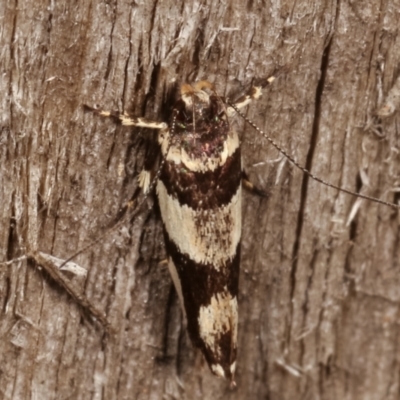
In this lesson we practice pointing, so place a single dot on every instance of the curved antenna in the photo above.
(306, 171)
(134, 212)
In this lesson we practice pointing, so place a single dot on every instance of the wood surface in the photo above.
(319, 286)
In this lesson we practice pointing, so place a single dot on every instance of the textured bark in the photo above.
(319, 298)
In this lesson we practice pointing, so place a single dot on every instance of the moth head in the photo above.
(196, 93)
(201, 123)
(200, 104)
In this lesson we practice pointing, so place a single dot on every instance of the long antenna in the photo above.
(306, 171)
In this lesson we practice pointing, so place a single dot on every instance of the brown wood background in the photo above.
(319, 300)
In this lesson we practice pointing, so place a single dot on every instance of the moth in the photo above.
(199, 188)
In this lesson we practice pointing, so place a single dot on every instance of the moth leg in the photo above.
(127, 120)
(247, 184)
(147, 174)
(163, 263)
(144, 178)
(254, 93)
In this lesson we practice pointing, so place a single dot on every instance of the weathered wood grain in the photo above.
(319, 300)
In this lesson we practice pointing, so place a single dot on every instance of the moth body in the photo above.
(199, 190)
(199, 193)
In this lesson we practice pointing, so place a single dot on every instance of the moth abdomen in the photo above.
(210, 306)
